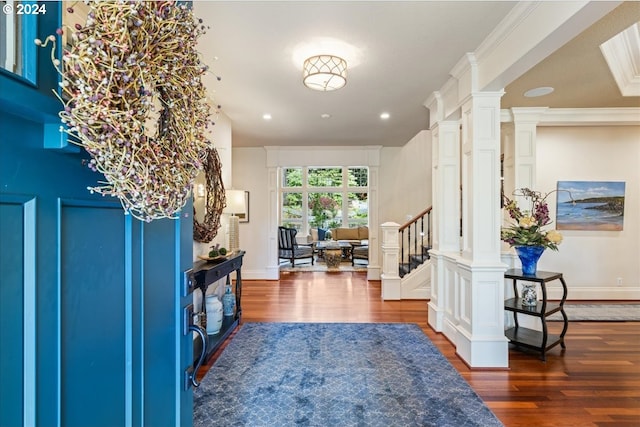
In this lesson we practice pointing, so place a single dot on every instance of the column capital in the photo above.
(528, 115)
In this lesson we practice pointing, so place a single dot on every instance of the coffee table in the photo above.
(333, 252)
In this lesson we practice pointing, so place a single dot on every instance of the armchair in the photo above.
(289, 249)
(360, 252)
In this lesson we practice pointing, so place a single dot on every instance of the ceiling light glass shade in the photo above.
(324, 72)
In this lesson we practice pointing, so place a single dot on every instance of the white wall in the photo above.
(250, 174)
(220, 137)
(405, 179)
(591, 261)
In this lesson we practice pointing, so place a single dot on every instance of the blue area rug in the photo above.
(335, 374)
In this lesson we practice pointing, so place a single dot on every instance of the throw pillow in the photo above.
(322, 233)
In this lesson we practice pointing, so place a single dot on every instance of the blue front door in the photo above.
(91, 299)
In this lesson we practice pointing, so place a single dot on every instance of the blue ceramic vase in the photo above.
(529, 256)
(228, 302)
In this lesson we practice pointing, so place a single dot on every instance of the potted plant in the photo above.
(526, 233)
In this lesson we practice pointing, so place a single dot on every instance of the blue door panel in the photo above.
(90, 299)
(11, 314)
(159, 278)
(92, 314)
(109, 348)
(184, 342)
(163, 281)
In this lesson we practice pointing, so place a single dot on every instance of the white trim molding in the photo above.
(622, 53)
(622, 116)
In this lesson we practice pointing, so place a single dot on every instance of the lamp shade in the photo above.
(235, 202)
(324, 72)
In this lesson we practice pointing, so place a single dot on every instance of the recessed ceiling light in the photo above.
(325, 115)
(539, 91)
(266, 116)
(384, 116)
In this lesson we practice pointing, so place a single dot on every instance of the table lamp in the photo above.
(235, 205)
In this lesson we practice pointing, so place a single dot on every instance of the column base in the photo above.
(483, 352)
(390, 287)
(435, 317)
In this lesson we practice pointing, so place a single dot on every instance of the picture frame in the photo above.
(244, 217)
(590, 205)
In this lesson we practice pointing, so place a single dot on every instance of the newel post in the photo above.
(390, 261)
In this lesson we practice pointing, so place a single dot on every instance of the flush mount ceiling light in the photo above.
(324, 72)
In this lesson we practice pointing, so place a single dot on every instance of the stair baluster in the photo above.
(417, 242)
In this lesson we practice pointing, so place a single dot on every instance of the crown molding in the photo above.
(582, 117)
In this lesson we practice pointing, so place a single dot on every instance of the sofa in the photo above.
(352, 235)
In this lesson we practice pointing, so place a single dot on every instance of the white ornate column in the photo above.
(525, 125)
(445, 221)
(480, 340)
(390, 259)
(520, 150)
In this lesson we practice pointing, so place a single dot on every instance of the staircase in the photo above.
(415, 242)
(414, 261)
(406, 270)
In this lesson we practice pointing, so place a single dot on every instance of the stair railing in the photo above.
(414, 240)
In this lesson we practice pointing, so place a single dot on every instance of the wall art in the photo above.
(596, 205)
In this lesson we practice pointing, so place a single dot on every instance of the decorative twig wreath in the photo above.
(215, 200)
(134, 99)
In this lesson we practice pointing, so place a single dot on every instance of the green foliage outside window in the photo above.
(325, 208)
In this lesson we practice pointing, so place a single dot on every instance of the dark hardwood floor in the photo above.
(594, 382)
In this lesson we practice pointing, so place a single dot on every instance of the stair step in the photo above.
(414, 261)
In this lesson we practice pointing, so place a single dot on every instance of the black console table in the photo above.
(529, 338)
(204, 274)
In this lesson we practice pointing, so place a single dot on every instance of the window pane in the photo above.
(325, 210)
(292, 210)
(18, 52)
(358, 209)
(292, 177)
(358, 177)
(11, 45)
(325, 177)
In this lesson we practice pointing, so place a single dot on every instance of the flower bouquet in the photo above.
(527, 226)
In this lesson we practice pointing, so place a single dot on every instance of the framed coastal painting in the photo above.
(590, 205)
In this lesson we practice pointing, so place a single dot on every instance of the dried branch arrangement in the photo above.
(134, 99)
(215, 200)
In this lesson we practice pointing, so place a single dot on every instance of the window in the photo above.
(334, 197)
(18, 24)
(324, 177)
(292, 209)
